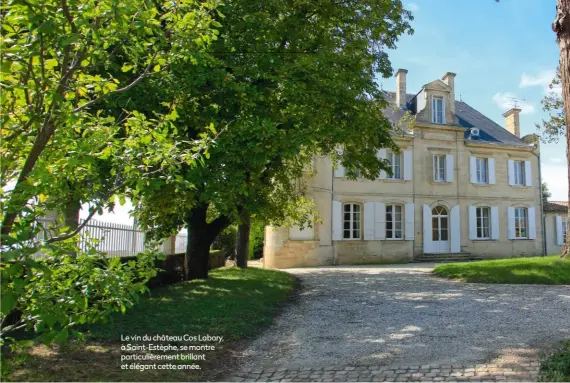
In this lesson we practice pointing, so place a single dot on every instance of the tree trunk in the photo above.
(242, 242)
(561, 26)
(201, 234)
(72, 209)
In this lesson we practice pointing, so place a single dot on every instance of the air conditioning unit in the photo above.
(474, 132)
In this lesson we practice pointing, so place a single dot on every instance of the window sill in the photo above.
(520, 187)
(483, 240)
(522, 239)
(440, 182)
(396, 180)
(481, 184)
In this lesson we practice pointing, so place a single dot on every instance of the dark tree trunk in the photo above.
(561, 26)
(242, 242)
(72, 209)
(201, 234)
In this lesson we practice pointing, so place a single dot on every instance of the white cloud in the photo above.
(556, 178)
(505, 101)
(413, 7)
(541, 79)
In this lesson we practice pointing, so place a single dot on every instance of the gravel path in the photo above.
(386, 317)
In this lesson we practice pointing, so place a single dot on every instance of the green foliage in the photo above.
(556, 367)
(538, 270)
(63, 64)
(546, 194)
(555, 127)
(285, 82)
(226, 241)
(256, 237)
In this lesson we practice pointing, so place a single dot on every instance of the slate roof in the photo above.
(489, 131)
(556, 207)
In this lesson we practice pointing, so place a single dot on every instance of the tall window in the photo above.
(393, 222)
(519, 173)
(351, 221)
(439, 167)
(437, 110)
(482, 170)
(564, 229)
(521, 222)
(395, 163)
(483, 223)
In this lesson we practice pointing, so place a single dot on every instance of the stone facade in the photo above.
(415, 198)
(556, 225)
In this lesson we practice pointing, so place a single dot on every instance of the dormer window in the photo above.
(437, 111)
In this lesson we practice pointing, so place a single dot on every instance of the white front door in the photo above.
(440, 229)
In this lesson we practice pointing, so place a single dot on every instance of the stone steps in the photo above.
(446, 258)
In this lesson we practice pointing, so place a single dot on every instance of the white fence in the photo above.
(117, 240)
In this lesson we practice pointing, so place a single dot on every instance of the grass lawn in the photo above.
(233, 303)
(537, 270)
(556, 368)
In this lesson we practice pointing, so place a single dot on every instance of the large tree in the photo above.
(287, 81)
(561, 26)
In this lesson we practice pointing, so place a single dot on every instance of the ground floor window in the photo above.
(483, 223)
(351, 221)
(393, 222)
(521, 221)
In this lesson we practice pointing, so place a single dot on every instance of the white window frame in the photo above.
(481, 225)
(437, 114)
(439, 168)
(354, 221)
(521, 219)
(395, 160)
(482, 170)
(391, 220)
(519, 173)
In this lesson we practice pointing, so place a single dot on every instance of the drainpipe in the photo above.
(543, 220)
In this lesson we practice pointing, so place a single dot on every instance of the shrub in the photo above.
(226, 241)
(256, 236)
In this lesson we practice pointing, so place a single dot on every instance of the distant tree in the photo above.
(561, 26)
(555, 127)
(546, 194)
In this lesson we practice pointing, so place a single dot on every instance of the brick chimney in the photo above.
(512, 123)
(401, 88)
(449, 79)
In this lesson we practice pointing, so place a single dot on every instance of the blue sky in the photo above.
(497, 50)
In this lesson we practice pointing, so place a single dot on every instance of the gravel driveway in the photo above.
(401, 315)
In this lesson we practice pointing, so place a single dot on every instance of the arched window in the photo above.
(351, 221)
(394, 222)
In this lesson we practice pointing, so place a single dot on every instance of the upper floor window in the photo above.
(482, 170)
(439, 167)
(395, 164)
(393, 222)
(521, 221)
(437, 110)
(351, 221)
(519, 168)
(483, 215)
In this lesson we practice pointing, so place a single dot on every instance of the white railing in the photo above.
(116, 240)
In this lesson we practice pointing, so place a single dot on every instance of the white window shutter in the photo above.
(449, 167)
(339, 171)
(408, 164)
(369, 221)
(455, 225)
(511, 173)
(379, 221)
(495, 223)
(531, 223)
(559, 234)
(337, 221)
(433, 110)
(527, 173)
(491, 171)
(382, 156)
(511, 224)
(409, 235)
(427, 229)
(472, 222)
(443, 109)
(473, 169)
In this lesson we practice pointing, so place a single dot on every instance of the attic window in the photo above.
(437, 110)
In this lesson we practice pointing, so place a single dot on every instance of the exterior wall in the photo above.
(552, 248)
(427, 140)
